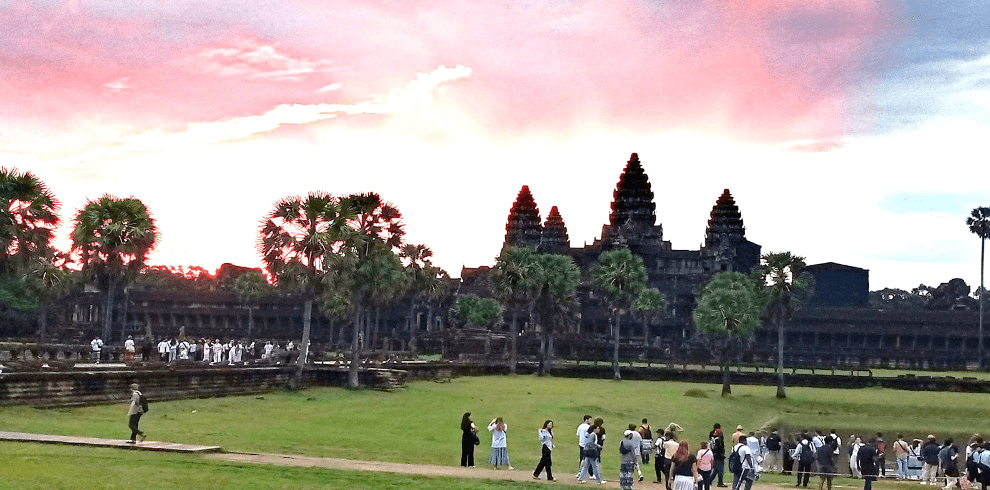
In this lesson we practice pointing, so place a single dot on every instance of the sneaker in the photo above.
(640, 477)
(511, 468)
(129, 441)
(603, 482)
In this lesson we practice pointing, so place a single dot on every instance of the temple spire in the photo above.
(633, 220)
(725, 221)
(555, 237)
(523, 226)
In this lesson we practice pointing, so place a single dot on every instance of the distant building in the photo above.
(839, 285)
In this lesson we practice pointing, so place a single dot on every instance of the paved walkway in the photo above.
(97, 442)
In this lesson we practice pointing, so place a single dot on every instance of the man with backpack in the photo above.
(772, 461)
(716, 441)
(806, 456)
(139, 406)
(741, 465)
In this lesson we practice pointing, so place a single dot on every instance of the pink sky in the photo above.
(211, 111)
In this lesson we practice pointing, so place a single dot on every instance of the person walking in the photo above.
(638, 449)
(592, 452)
(772, 461)
(901, 451)
(743, 478)
(546, 446)
(929, 455)
(947, 460)
(469, 439)
(868, 456)
(716, 441)
(129, 349)
(500, 450)
(684, 467)
(807, 453)
(826, 467)
(582, 432)
(627, 459)
(134, 412)
(97, 345)
(705, 459)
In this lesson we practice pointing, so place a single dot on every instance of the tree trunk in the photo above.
(646, 331)
(726, 389)
(353, 380)
(543, 354)
(615, 348)
(123, 318)
(108, 313)
(512, 343)
(549, 364)
(780, 359)
(983, 244)
(374, 333)
(296, 380)
(42, 321)
(250, 321)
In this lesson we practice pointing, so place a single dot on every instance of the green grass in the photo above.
(420, 424)
(27, 466)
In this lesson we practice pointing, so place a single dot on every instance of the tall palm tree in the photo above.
(516, 277)
(782, 281)
(620, 275)
(28, 218)
(297, 241)
(113, 237)
(727, 314)
(250, 287)
(48, 280)
(979, 223)
(426, 282)
(649, 305)
(557, 303)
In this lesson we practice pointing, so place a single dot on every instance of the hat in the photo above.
(931, 436)
(627, 433)
(738, 427)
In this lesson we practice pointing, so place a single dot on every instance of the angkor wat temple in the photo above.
(834, 327)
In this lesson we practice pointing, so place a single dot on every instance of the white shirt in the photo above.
(744, 451)
(129, 345)
(97, 345)
(582, 431)
(163, 347)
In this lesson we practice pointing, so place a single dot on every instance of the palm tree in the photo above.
(727, 313)
(782, 281)
(979, 223)
(649, 305)
(559, 277)
(48, 280)
(298, 239)
(250, 287)
(516, 279)
(426, 282)
(28, 218)
(620, 275)
(113, 237)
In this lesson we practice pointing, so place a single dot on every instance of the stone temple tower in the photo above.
(725, 238)
(555, 239)
(633, 219)
(523, 226)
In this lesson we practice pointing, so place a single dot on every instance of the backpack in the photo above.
(623, 449)
(718, 447)
(735, 461)
(807, 453)
(143, 401)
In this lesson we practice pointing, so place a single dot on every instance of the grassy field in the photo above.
(420, 424)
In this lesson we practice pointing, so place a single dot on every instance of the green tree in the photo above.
(620, 275)
(113, 237)
(556, 302)
(250, 287)
(979, 224)
(426, 284)
(649, 306)
(298, 239)
(516, 277)
(28, 218)
(48, 280)
(477, 311)
(727, 314)
(783, 282)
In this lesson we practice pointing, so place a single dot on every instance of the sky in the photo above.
(847, 131)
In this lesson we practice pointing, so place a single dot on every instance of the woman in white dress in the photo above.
(854, 457)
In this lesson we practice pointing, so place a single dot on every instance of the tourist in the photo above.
(868, 463)
(638, 450)
(163, 350)
(787, 451)
(670, 446)
(772, 460)
(676, 429)
(705, 459)
(469, 439)
(134, 412)
(97, 345)
(737, 433)
(582, 432)
(806, 457)
(881, 447)
(184, 350)
(684, 467)
(592, 451)
(546, 447)
(716, 441)
(646, 434)
(983, 466)
(929, 456)
(947, 460)
(627, 458)
(854, 448)
(217, 352)
(915, 464)
(743, 479)
(268, 350)
(173, 350)
(500, 451)
(753, 443)
(129, 349)
(207, 350)
(193, 348)
(826, 467)
(600, 422)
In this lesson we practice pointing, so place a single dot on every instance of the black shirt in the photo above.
(684, 468)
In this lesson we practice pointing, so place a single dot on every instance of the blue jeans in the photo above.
(590, 464)
(902, 468)
(718, 469)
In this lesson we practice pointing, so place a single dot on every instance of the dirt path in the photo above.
(519, 474)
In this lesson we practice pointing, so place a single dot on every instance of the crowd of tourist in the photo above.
(213, 352)
(746, 455)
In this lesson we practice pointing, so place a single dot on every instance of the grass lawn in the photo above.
(421, 423)
(27, 466)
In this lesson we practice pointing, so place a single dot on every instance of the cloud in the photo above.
(417, 93)
(118, 85)
(332, 86)
(250, 58)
